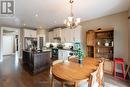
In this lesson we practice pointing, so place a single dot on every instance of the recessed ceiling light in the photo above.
(36, 15)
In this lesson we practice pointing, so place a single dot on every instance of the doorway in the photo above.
(10, 42)
(8, 45)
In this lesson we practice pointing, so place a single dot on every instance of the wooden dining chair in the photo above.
(53, 63)
(82, 83)
(58, 79)
(72, 57)
(95, 78)
(54, 77)
(101, 74)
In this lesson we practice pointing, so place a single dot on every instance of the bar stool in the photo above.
(119, 61)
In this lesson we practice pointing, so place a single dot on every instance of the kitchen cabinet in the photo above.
(60, 54)
(63, 34)
(71, 35)
(90, 35)
(108, 66)
(63, 54)
(66, 34)
(100, 44)
(36, 61)
(54, 34)
(57, 32)
(51, 36)
(77, 34)
(30, 33)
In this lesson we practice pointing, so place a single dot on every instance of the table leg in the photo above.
(63, 84)
(52, 81)
(127, 71)
(76, 84)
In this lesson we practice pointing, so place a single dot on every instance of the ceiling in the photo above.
(51, 13)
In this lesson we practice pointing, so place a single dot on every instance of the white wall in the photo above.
(8, 44)
(1, 34)
(120, 23)
(129, 37)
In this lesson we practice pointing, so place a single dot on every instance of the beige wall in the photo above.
(129, 37)
(120, 23)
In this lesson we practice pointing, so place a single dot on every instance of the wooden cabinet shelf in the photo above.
(100, 43)
(105, 38)
(90, 51)
(105, 46)
(90, 38)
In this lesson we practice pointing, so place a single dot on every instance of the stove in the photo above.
(54, 53)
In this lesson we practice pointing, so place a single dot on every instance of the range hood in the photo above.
(58, 38)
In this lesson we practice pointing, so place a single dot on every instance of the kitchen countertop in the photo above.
(47, 50)
(67, 49)
(63, 49)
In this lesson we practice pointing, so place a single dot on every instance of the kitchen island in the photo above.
(36, 61)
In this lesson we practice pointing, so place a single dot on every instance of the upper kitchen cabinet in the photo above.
(66, 35)
(54, 34)
(64, 54)
(71, 35)
(77, 34)
(57, 32)
(51, 36)
(90, 38)
(30, 33)
(63, 33)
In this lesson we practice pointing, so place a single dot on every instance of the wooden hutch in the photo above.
(100, 44)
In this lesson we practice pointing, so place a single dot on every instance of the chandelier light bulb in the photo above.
(70, 18)
(65, 21)
(68, 24)
(78, 20)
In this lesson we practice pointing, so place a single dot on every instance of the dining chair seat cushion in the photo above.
(53, 63)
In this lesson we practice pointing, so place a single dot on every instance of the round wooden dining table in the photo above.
(74, 72)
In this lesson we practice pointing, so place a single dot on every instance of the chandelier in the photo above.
(72, 22)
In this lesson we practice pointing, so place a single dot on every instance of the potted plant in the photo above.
(80, 55)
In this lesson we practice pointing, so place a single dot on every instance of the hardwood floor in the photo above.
(13, 74)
